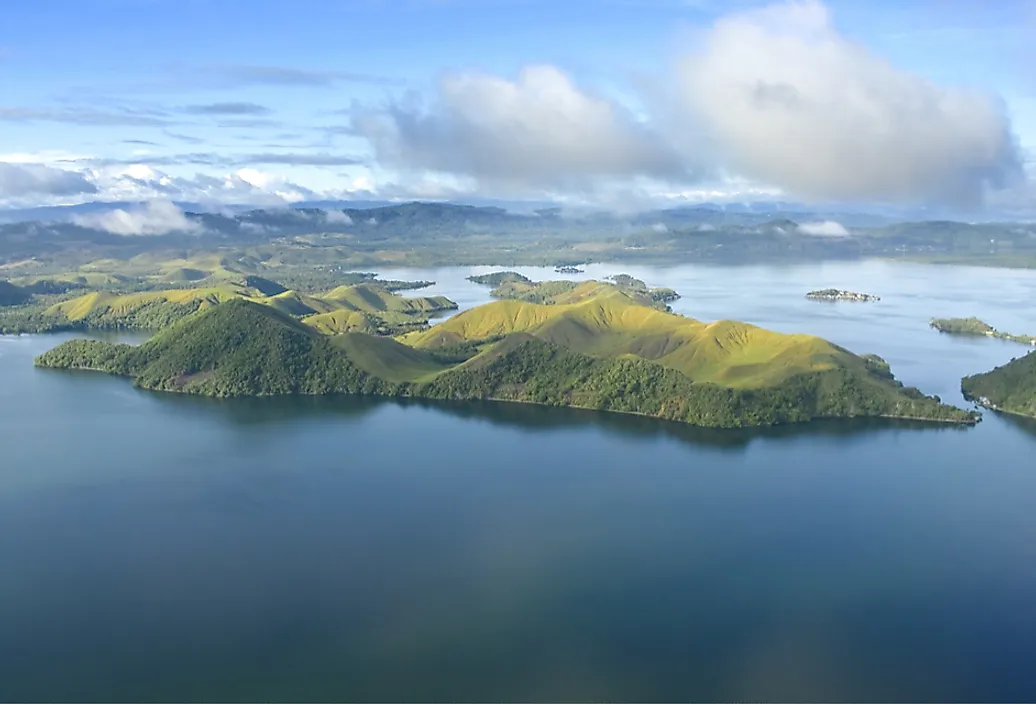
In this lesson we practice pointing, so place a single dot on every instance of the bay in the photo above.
(154, 547)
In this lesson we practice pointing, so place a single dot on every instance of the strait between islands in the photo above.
(610, 346)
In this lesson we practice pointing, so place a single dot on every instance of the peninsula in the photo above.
(974, 327)
(1010, 388)
(834, 294)
(599, 346)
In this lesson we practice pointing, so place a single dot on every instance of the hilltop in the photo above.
(606, 351)
(1010, 388)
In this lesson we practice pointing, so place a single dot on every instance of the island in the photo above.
(497, 278)
(599, 346)
(1010, 388)
(512, 285)
(567, 270)
(977, 328)
(835, 294)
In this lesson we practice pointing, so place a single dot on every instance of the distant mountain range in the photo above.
(846, 214)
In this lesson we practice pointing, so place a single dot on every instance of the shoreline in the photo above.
(914, 419)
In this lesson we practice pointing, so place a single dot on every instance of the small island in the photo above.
(599, 346)
(835, 294)
(498, 278)
(1010, 388)
(567, 270)
(973, 327)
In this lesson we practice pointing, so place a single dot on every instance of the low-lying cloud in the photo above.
(827, 228)
(158, 217)
(337, 217)
(23, 180)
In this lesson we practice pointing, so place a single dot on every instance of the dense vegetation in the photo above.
(976, 327)
(723, 374)
(499, 277)
(1010, 388)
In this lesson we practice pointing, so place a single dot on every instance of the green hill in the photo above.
(1010, 388)
(365, 307)
(605, 353)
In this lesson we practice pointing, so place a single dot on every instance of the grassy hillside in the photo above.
(236, 349)
(1010, 388)
(611, 324)
(361, 307)
(605, 353)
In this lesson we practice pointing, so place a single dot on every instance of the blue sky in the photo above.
(268, 101)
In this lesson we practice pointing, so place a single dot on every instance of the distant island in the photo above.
(512, 285)
(599, 346)
(567, 270)
(834, 294)
(1010, 388)
(977, 328)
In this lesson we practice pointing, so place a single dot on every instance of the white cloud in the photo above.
(789, 101)
(156, 217)
(827, 228)
(775, 97)
(660, 227)
(538, 130)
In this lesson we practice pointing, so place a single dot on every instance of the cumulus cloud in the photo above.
(827, 228)
(540, 129)
(153, 218)
(22, 180)
(791, 102)
(776, 97)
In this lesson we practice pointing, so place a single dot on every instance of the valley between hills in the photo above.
(604, 345)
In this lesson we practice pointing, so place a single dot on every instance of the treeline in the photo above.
(1011, 387)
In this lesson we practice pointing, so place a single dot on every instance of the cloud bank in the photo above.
(775, 95)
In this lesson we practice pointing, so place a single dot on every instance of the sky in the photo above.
(619, 103)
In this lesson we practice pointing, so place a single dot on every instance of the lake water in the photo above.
(155, 547)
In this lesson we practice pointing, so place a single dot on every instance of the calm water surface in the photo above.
(154, 547)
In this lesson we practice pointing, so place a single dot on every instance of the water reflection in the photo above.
(533, 418)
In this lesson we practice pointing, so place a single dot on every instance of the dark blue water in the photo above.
(154, 547)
